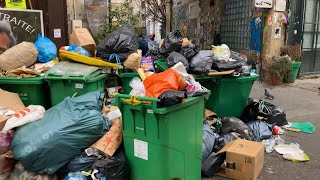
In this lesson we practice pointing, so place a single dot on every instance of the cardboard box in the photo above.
(10, 101)
(83, 38)
(244, 160)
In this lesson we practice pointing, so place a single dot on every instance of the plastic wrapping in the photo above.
(213, 163)
(209, 139)
(27, 115)
(171, 97)
(221, 53)
(274, 114)
(202, 62)
(71, 69)
(226, 66)
(121, 42)
(47, 49)
(224, 140)
(190, 51)
(251, 111)
(232, 124)
(260, 130)
(66, 129)
(137, 87)
(173, 42)
(113, 168)
(175, 58)
(81, 163)
(78, 49)
(156, 84)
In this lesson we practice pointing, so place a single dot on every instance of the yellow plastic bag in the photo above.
(66, 55)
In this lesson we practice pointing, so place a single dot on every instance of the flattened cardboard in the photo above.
(83, 38)
(244, 160)
(111, 141)
(216, 73)
(10, 101)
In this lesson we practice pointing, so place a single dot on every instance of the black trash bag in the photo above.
(170, 98)
(251, 111)
(224, 140)
(261, 130)
(153, 51)
(232, 124)
(173, 42)
(189, 51)
(202, 62)
(213, 163)
(226, 66)
(143, 45)
(238, 57)
(208, 141)
(121, 42)
(77, 164)
(81, 163)
(175, 58)
(113, 168)
(274, 114)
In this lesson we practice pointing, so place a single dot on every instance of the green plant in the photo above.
(280, 67)
(293, 51)
(120, 15)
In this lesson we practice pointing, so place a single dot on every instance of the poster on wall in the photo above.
(281, 5)
(263, 3)
(25, 24)
(16, 4)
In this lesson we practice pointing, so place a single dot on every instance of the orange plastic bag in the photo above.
(156, 84)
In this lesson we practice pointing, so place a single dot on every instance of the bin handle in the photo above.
(153, 101)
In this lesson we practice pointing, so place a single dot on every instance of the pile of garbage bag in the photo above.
(261, 122)
(67, 141)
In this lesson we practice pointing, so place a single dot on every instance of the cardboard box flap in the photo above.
(226, 148)
(10, 101)
(241, 146)
(82, 37)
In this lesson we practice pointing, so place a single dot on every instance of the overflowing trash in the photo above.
(118, 45)
(83, 136)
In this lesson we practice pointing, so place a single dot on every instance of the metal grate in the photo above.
(235, 25)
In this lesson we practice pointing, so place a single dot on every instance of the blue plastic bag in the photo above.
(78, 49)
(47, 49)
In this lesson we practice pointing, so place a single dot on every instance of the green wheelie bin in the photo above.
(162, 143)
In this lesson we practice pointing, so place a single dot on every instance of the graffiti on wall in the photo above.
(181, 19)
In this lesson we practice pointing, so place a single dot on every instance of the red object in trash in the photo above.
(156, 84)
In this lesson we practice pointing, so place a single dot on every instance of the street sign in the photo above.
(263, 3)
(25, 24)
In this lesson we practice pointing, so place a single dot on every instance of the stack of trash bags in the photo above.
(123, 47)
(261, 122)
(79, 138)
(28, 59)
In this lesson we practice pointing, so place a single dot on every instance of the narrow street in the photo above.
(301, 101)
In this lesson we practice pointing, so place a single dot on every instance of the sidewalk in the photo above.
(301, 102)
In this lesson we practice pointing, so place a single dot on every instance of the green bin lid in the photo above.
(73, 71)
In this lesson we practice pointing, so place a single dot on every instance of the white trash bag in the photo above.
(138, 88)
(25, 116)
(221, 53)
